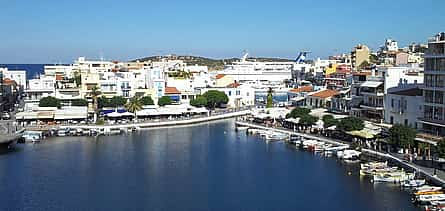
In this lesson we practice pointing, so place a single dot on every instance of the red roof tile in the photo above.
(219, 76)
(325, 93)
(8, 81)
(302, 89)
(171, 90)
(233, 85)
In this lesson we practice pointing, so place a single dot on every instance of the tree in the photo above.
(364, 64)
(103, 102)
(215, 98)
(374, 58)
(440, 148)
(350, 124)
(402, 136)
(164, 100)
(329, 121)
(147, 100)
(134, 105)
(77, 78)
(269, 102)
(298, 112)
(94, 94)
(308, 120)
(199, 101)
(117, 101)
(50, 102)
(79, 102)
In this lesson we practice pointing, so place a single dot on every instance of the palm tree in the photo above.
(134, 105)
(94, 94)
(269, 101)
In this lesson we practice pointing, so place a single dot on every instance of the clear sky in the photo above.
(51, 31)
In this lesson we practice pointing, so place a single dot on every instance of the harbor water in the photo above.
(201, 167)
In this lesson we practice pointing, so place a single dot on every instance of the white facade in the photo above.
(39, 88)
(404, 105)
(238, 97)
(396, 76)
(391, 45)
(19, 76)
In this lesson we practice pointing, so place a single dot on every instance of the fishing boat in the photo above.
(372, 172)
(351, 156)
(426, 188)
(429, 198)
(374, 165)
(397, 176)
(413, 183)
(276, 136)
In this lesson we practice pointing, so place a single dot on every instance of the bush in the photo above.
(147, 100)
(50, 102)
(164, 100)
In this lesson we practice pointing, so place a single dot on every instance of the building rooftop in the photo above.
(325, 93)
(302, 89)
(171, 90)
(408, 92)
(219, 76)
(234, 85)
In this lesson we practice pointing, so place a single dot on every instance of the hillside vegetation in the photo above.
(213, 64)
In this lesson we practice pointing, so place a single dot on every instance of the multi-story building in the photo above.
(404, 105)
(19, 76)
(359, 54)
(433, 120)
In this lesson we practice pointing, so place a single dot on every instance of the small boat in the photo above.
(429, 198)
(428, 193)
(32, 136)
(397, 176)
(63, 131)
(413, 183)
(351, 156)
(276, 136)
(241, 128)
(372, 172)
(425, 188)
(435, 206)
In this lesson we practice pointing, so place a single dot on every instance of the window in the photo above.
(392, 103)
(230, 93)
(391, 120)
(406, 122)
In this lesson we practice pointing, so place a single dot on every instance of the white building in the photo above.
(404, 105)
(19, 76)
(39, 88)
(391, 45)
(239, 95)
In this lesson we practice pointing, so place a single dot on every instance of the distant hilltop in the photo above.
(213, 64)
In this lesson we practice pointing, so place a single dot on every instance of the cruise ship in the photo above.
(244, 70)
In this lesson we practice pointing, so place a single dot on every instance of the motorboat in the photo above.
(426, 188)
(351, 156)
(374, 165)
(429, 198)
(32, 136)
(276, 136)
(413, 183)
(372, 172)
(397, 176)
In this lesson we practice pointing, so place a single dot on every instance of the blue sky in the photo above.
(51, 31)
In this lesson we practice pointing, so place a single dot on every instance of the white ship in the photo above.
(244, 70)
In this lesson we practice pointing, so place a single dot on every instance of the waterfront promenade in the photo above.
(438, 179)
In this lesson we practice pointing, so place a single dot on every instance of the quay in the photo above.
(428, 173)
(108, 128)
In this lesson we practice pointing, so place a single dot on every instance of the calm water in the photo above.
(204, 167)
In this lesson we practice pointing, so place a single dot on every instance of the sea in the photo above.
(32, 70)
(206, 166)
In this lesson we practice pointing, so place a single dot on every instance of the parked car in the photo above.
(5, 116)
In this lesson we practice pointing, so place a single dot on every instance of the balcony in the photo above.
(372, 106)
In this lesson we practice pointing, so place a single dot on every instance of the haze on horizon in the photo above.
(49, 31)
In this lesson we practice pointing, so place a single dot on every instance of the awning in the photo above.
(372, 84)
(127, 114)
(114, 114)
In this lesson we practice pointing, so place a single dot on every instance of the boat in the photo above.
(241, 128)
(435, 206)
(274, 136)
(63, 131)
(351, 156)
(32, 136)
(429, 198)
(374, 165)
(413, 183)
(397, 176)
(425, 188)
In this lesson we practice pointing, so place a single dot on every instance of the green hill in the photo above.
(213, 64)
